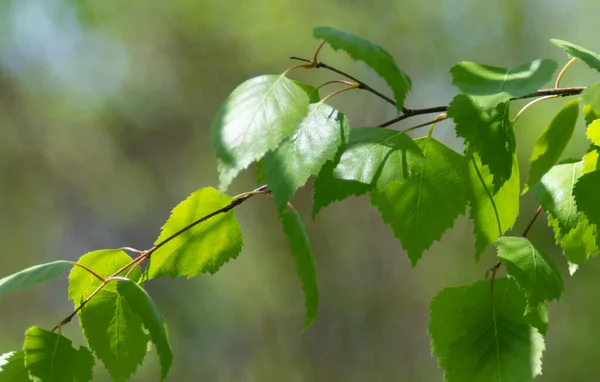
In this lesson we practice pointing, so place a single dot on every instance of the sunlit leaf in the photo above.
(593, 132)
(590, 58)
(203, 248)
(423, 206)
(553, 141)
(12, 367)
(301, 156)
(480, 336)
(32, 276)
(531, 268)
(254, 119)
(586, 196)
(142, 304)
(51, 357)
(373, 55)
(305, 262)
(580, 243)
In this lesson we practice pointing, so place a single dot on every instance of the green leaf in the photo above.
(142, 304)
(373, 55)
(373, 158)
(580, 243)
(492, 212)
(590, 160)
(590, 114)
(491, 136)
(555, 194)
(478, 338)
(553, 141)
(531, 268)
(491, 85)
(305, 262)
(113, 331)
(12, 367)
(423, 206)
(593, 132)
(33, 275)
(203, 248)
(51, 357)
(317, 140)
(586, 196)
(590, 58)
(311, 91)
(591, 97)
(255, 118)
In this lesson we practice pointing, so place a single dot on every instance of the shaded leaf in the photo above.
(492, 212)
(423, 206)
(491, 136)
(203, 248)
(590, 114)
(553, 141)
(491, 85)
(591, 97)
(586, 196)
(51, 357)
(531, 268)
(478, 338)
(311, 91)
(142, 304)
(254, 119)
(373, 55)
(305, 262)
(317, 140)
(580, 243)
(590, 58)
(12, 367)
(32, 276)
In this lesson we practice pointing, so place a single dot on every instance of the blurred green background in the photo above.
(105, 110)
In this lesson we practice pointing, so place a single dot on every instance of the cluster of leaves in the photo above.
(492, 329)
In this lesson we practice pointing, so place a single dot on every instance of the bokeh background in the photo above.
(105, 110)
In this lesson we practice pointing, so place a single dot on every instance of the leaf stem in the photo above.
(563, 71)
(533, 219)
(347, 83)
(88, 269)
(354, 86)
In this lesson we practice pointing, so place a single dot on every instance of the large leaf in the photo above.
(480, 336)
(532, 269)
(255, 118)
(555, 194)
(113, 330)
(491, 136)
(33, 275)
(586, 196)
(491, 85)
(423, 206)
(590, 58)
(203, 248)
(373, 55)
(373, 158)
(142, 304)
(12, 367)
(51, 357)
(492, 212)
(553, 141)
(301, 156)
(305, 262)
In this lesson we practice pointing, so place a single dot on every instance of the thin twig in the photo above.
(438, 118)
(533, 219)
(347, 83)
(316, 54)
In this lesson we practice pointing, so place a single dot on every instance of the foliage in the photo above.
(490, 330)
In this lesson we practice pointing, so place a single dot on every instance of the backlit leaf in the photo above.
(373, 55)
(12, 367)
(254, 119)
(580, 243)
(590, 58)
(311, 91)
(423, 206)
(32, 276)
(593, 132)
(317, 140)
(586, 196)
(203, 248)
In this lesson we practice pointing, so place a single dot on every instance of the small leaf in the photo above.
(373, 55)
(142, 304)
(593, 132)
(553, 141)
(255, 118)
(531, 268)
(305, 262)
(113, 331)
(203, 248)
(555, 194)
(590, 160)
(586, 196)
(311, 91)
(590, 58)
(590, 114)
(492, 212)
(481, 337)
(491, 85)
(591, 97)
(51, 357)
(580, 243)
(32, 276)
(423, 206)
(317, 140)
(491, 136)
(12, 367)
